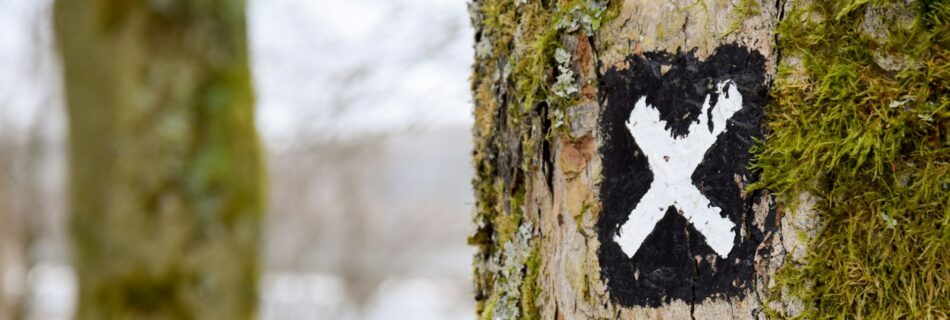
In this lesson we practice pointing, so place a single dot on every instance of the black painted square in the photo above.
(674, 261)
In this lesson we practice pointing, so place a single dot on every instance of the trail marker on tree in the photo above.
(676, 222)
(673, 160)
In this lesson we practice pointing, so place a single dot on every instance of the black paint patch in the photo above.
(674, 262)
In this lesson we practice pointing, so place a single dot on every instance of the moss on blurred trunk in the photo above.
(166, 173)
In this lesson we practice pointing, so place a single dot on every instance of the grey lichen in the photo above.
(565, 86)
(509, 264)
(587, 15)
(523, 87)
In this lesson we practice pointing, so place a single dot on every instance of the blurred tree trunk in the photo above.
(540, 98)
(166, 175)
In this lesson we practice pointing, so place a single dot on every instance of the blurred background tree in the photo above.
(166, 174)
(362, 150)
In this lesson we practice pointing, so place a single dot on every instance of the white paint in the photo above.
(673, 160)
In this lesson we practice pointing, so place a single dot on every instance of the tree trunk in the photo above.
(614, 177)
(166, 174)
(557, 173)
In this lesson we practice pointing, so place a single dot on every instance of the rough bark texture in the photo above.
(538, 87)
(856, 150)
(165, 172)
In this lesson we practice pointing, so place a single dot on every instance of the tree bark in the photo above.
(542, 87)
(165, 168)
(586, 110)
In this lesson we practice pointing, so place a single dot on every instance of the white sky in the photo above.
(321, 67)
(335, 68)
(26, 65)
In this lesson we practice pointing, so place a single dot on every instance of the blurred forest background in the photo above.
(364, 112)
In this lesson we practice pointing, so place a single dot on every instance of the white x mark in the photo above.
(673, 160)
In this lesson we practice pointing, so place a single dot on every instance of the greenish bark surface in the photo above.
(166, 174)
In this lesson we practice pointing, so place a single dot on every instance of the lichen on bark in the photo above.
(518, 113)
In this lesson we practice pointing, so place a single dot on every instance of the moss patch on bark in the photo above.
(860, 117)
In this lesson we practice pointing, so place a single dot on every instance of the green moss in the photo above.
(517, 112)
(743, 10)
(873, 145)
(529, 34)
(488, 310)
(507, 224)
(530, 290)
(579, 219)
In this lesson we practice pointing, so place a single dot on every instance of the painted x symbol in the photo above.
(673, 160)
